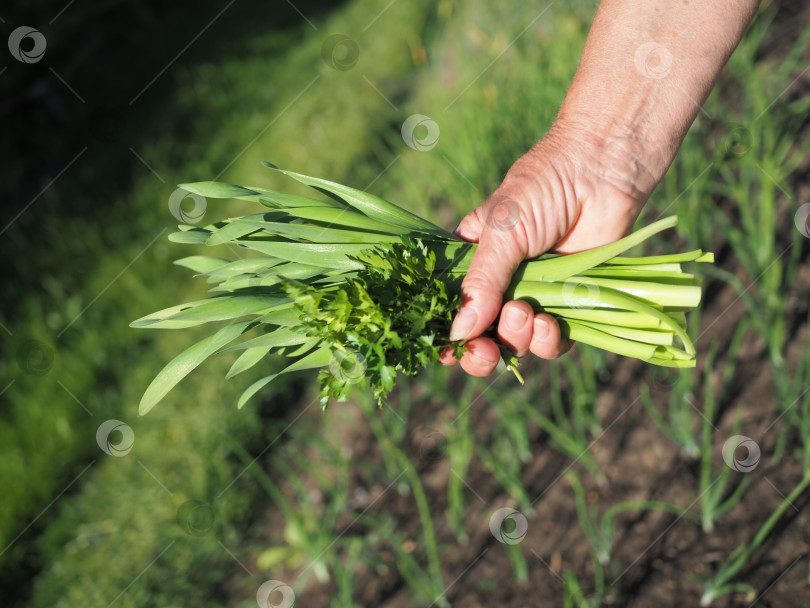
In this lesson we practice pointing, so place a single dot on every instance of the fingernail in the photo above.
(541, 329)
(515, 318)
(464, 322)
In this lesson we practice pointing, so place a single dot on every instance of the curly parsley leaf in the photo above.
(391, 317)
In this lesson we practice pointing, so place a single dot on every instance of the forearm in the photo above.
(647, 67)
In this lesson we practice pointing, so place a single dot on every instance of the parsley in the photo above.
(389, 318)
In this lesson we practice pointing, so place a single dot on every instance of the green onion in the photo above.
(365, 290)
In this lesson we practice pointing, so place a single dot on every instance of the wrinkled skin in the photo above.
(565, 195)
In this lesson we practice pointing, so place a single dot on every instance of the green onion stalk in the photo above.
(364, 290)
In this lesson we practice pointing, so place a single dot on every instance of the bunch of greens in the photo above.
(364, 289)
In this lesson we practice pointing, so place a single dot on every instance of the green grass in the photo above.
(47, 435)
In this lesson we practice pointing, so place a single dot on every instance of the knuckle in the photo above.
(477, 280)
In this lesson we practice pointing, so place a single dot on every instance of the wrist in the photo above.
(647, 67)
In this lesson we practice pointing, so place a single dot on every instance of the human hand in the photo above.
(647, 67)
(572, 191)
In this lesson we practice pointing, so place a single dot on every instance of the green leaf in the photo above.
(616, 318)
(561, 295)
(245, 266)
(657, 292)
(284, 316)
(184, 363)
(673, 258)
(247, 359)
(231, 231)
(316, 234)
(633, 273)
(355, 256)
(582, 332)
(329, 216)
(202, 264)
(564, 266)
(647, 336)
(370, 205)
(278, 337)
(317, 254)
(212, 309)
(278, 200)
(302, 349)
(196, 236)
(290, 270)
(218, 190)
(317, 358)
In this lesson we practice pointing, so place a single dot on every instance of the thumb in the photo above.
(501, 249)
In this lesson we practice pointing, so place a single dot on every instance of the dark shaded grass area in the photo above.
(73, 123)
(121, 60)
